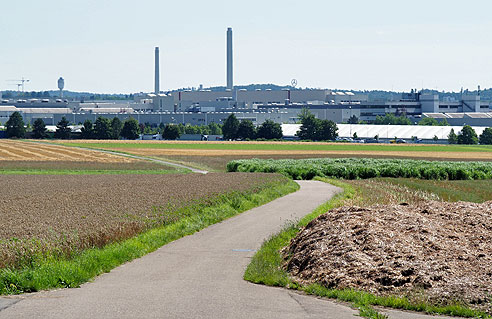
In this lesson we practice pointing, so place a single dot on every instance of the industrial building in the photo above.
(283, 106)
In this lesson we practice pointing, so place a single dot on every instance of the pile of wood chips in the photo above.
(434, 251)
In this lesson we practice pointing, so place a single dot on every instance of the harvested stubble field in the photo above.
(65, 214)
(13, 150)
(433, 252)
(23, 157)
(289, 149)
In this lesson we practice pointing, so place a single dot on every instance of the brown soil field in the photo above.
(73, 212)
(433, 251)
(73, 165)
(12, 150)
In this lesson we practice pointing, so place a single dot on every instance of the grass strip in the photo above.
(266, 268)
(58, 273)
(89, 171)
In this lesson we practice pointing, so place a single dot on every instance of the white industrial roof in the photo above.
(107, 109)
(37, 110)
(387, 131)
(8, 108)
(477, 115)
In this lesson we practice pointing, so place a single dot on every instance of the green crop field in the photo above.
(362, 168)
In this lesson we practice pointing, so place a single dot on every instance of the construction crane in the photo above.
(20, 83)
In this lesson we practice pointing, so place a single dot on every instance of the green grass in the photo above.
(477, 191)
(288, 147)
(89, 171)
(266, 267)
(51, 272)
(363, 168)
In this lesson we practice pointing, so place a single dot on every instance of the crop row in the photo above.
(362, 168)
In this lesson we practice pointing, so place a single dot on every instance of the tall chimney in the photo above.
(156, 81)
(230, 84)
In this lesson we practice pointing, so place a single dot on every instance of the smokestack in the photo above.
(156, 81)
(230, 84)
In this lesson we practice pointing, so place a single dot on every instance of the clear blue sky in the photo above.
(107, 46)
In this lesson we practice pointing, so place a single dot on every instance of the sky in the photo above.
(107, 46)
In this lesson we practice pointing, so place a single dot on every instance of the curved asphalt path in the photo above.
(198, 276)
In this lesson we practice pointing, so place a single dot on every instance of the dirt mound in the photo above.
(435, 251)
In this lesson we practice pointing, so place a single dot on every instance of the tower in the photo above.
(61, 85)
(230, 84)
(156, 80)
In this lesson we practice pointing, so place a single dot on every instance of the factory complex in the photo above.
(199, 107)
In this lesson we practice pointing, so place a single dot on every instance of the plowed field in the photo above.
(73, 212)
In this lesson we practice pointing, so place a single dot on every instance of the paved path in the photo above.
(198, 276)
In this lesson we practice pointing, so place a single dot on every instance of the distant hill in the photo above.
(374, 95)
(87, 96)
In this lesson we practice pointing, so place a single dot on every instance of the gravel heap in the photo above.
(435, 251)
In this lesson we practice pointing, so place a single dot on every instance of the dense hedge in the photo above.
(361, 168)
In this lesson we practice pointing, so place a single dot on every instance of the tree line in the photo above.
(233, 129)
(311, 128)
(468, 136)
(104, 128)
(101, 128)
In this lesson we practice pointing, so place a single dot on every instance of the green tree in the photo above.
(391, 119)
(15, 126)
(270, 130)
(315, 129)
(435, 138)
(353, 120)
(467, 136)
(486, 136)
(192, 129)
(102, 128)
(230, 127)
(429, 121)
(443, 122)
(452, 137)
(181, 128)
(326, 130)
(39, 129)
(130, 129)
(87, 130)
(215, 129)
(246, 130)
(63, 132)
(355, 136)
(309, 125)
(171, 132)
(116, 127)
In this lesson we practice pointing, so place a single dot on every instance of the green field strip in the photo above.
(288, 147)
